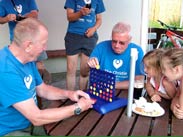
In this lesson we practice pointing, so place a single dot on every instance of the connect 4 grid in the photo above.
(102, 88)
(102, 84)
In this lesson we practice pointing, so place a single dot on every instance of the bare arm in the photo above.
(169, 88)
(12, 17)
(8, 18)
(175, 106)
(73, 16)
(40, 117)
(154, 95)
(92, 30)
(149, 88)
(53, 93)
(98, 21)
(125, 84)
(122, 85)
(33, 14)
(93, 62)
(177, 102)
(181, 96)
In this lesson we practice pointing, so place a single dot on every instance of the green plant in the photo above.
(175, 21)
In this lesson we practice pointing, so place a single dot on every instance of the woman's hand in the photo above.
(177, 111)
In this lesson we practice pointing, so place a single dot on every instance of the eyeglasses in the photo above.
(120, 42)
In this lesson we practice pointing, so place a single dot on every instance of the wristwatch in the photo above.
(77, 110)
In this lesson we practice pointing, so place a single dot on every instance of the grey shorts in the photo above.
(75, 43)
(30, 131)
(43, 56)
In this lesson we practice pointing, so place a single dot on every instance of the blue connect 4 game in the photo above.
(102, 89)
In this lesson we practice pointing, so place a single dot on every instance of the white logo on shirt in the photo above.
(117, 63)
(19, 8)
(87, 1)
(28, 81)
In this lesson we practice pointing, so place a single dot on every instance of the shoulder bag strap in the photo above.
(14, 5)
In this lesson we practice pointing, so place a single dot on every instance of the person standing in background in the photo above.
(13, 11)
(84, 17)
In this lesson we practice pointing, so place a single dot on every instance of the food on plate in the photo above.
(146, 108)
(140, 102)
(139, 109)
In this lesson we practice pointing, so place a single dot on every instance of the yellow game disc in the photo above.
(98, 66)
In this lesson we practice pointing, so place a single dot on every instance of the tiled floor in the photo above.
(59, 79)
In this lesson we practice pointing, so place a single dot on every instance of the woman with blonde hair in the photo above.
(158, 86)
(172, 68)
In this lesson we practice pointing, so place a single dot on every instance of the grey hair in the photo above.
(27, 30)
(121, 27)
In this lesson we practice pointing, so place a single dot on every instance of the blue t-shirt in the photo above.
(82, 24)
(24, 6)
(118, 64)
(18, 83)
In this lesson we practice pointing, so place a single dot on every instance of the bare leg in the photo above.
(46, 76)
(83, 79)
(72, 62)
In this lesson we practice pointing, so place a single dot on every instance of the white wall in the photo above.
(52, 13)
(4, 35)
(121, 10)
(118, 10)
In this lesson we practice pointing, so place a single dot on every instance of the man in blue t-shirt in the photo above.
(10, 10)
(20, 83)
(114, 56)
(84, 17)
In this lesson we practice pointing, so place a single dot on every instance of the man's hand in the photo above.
(76, 95)
(89, 33)
(86, 104)
(83, 99)
(11, 17)
(93, 63)
(85, 11)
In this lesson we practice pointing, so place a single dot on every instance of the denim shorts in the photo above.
(75, 43)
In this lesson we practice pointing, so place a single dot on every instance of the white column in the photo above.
(134, 56)
(144, 25)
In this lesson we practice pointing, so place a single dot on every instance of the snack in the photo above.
(145, 108)
(140, 102)
(139, 109)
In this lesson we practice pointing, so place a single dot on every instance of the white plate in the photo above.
(140, 111)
